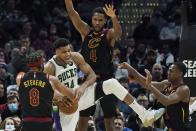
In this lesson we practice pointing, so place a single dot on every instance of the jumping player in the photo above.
(97, 49)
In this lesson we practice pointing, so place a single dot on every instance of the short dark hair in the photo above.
(33, 58)
(124, 80)
(99, 10)
(61, 42)
(141, 94)
(151, 52)
(181, 67)
(119, 117)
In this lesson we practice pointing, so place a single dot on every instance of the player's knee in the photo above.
(112, 86)
(108, 86)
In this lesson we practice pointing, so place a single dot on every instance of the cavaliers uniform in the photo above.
(35, 95)
(176, 117)
(67, 75)
(98, 54)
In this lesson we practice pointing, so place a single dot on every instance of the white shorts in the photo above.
(69, 122)
(88, 98)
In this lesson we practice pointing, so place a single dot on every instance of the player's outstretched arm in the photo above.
(140, 78)
(87, 70)
(115, 32)
(181, 94)
(56, 84)
(80, 25)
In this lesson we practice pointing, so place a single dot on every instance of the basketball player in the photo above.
(97, 51)
(175, 98)
(36, 94)
(64, 64)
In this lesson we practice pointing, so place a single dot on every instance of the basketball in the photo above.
(67, 110)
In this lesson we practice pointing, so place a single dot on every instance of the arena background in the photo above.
(188, 52)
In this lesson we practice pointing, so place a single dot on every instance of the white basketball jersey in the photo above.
(66, 74)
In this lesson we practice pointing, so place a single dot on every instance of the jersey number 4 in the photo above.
(93, 55)
(71, 85)
(34, 97)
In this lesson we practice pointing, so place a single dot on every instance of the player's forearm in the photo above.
(67, 91)
(91, 78)
(140, 79)
(159, 96)
(117, 27)
(70, 8)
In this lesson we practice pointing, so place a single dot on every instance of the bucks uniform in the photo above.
(68, 76)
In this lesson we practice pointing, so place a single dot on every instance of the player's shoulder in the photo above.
(184, 87)
(49, 68)
(49, 64)
(77, 58)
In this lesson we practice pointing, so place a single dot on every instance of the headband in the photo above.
(36, 64)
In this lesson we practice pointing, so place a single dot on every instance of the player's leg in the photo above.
(108, 105)
(69, 122)
(84, 117)
(112, 86)
(83, 123)
(87, 107)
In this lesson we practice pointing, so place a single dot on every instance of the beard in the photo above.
(100, 29)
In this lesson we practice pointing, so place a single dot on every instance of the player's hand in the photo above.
(78, 93)
(58, 97)
(148, 79)
(123, 65)
(67, 102)
(109, 10)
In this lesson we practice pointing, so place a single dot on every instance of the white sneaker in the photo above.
(192, 107)
(150, 116)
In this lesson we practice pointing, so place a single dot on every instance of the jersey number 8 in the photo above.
(34, 97)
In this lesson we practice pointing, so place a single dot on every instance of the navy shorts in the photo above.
(35, 126)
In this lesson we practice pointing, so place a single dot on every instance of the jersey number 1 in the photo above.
(93, 56)
(34, 97)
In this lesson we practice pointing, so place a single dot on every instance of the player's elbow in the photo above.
(166, 102)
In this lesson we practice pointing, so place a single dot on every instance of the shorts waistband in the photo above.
(37, 119)
(103, 76)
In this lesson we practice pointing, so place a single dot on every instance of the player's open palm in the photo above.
(109, 10)
(148, 79)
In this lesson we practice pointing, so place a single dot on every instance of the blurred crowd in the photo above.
(33, 25)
